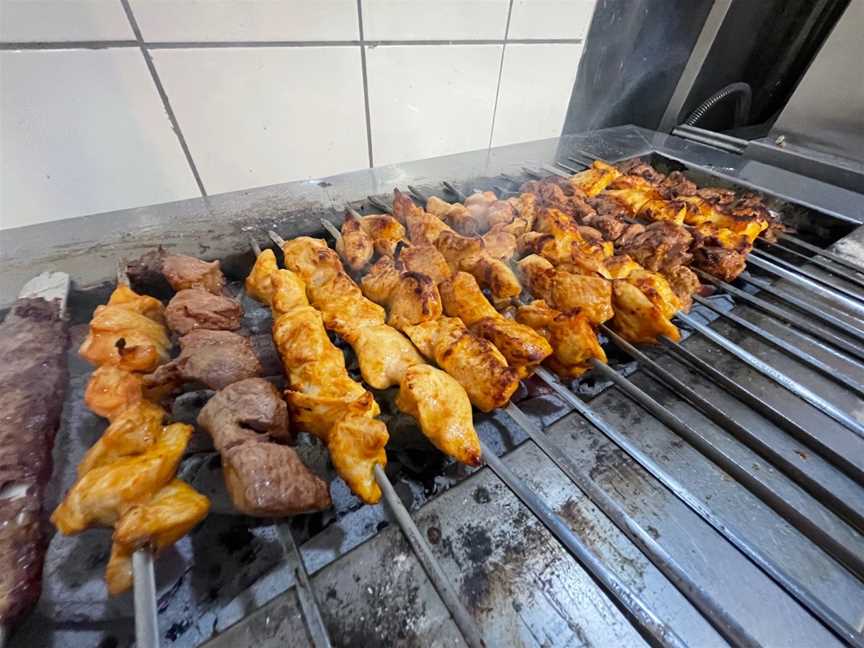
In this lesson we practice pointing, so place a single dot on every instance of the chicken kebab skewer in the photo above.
(127, 479)
(422, 304)
(326, 402)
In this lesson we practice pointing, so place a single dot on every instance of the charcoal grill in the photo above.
(744, 489)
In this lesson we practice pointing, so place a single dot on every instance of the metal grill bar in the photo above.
(784, 315)
(765, 409)
(777, 376)
(793, 586)
(827, 370)
(836, 258)
(812, 282)
(718, 616)
(305, 593)
(636, 609)
(715, 414)
(144, 592)
(815, 260)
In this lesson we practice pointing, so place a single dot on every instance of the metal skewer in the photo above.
(305, 593)
(836, 258)
(833, 268)
(827, 370)
(715, 414)
(793, 586)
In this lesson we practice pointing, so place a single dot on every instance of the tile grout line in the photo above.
(365, 84)
(160, 45)
(160, 89)
(500, 73)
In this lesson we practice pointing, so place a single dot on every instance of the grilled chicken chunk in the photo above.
(570, 335)
(195, 308)
(427, 260)
(355, 246)
(566, 291)
(474, 362)
(188, 272)
(637, 319)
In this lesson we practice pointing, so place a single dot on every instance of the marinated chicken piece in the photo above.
(172, 513)
(442, 407)
(594, 180)
(258, 284)
(438, 207)
(655, 287)
(474, 362)
(318, 414)
(195, 308)
(499, 243)
(427, 260)
(744, 222)
(566, 291)
(685, 283)
(111, 390)
(288, 292)
(133, 431)
(423, 228)
(415, 299)
(384, 355)
(621, 265)
(270, 480)
(481, 198)
(719, 262)
(522, 347)
(571, 336)
(526, 207)
(142, 304)
(659, 247)
(455, 247)
(495, 276)
(708, 234)
(188, 272)
(356, 444)
(500, 212)
(660, 210)
(381, 280)
(101, 496)
(355, 246)
(213, 358)
(458, 216)
(120, 335)
(385, 231)
(637, 319)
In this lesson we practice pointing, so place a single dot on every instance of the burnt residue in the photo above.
(481, 495)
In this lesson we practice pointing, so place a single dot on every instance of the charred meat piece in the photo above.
(610, 206)
(145, 274)
(677, 184)
(642, 169)
(188, 272)
(263, 478)
(716, 195)
(213, 358)
(722, 263)
(196, 308)
(33, 376)
(661, 246)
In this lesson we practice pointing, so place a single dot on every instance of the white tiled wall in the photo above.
(263, 91)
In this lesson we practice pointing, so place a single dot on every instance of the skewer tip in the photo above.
(331, 229)
(254, 245)
(122, 275)
(278, 240)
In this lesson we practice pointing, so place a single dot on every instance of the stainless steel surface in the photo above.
(461, 617)
(146, 623)
(826, 112)
(229, 581)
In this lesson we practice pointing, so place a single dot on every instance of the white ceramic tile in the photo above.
(83, 131)
(247, 20)
(259, 116)
(428, 100)
(551, 18)
(535, 89)
(437, 20)
(63, 20)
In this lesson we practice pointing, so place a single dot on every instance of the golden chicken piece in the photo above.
(458, 216)
(595, 179)
(571, 336)
(381, 280)
(427, 260)
(621, 265)
(685, 283)
(481, 198)
(438, 207)
(415, 299)
(386, 354)
(710, 234)
(172, 513)
(522, 347)
(386, 233)
(356, 444)
(494, 275)
(258, 283)
(637, 319)
(318, 414)
(565, 240)
(133, 431)
(288, 292)
(440, 403)
(566, 291)
(655, 287)
(102, 495)
(355, 246)
(423, 228)
(658, 209)
(702, 211)
(121, 335)
(111, 390)
(145, 305)
(526, 207)
(455, 248)
(474, 362)
(499, 243)
(500, 212)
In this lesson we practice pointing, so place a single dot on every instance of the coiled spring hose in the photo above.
(742, 105)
